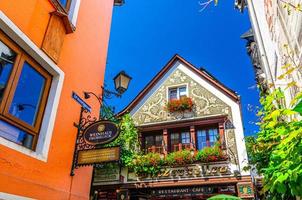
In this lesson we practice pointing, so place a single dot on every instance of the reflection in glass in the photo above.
(185, 138)
(172, 94)
(201, 139)
(7, 59)
(28, 95)
(182, 92)
(63, 3)
(213, 134)
(16, 135)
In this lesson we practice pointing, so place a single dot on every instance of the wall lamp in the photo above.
(121, 83)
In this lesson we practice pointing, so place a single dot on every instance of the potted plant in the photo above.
(179, 158)
(149, 164)
(180, 105)
(210, 154)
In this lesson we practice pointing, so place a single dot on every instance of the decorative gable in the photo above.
(206, 104)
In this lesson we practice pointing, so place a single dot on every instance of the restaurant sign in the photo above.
(98, 156)
(245, 190)
(100, 132)
(205, 190)
(189, 171)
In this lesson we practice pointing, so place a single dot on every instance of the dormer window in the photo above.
(178, 92)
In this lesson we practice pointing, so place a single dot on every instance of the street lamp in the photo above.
(121, 82)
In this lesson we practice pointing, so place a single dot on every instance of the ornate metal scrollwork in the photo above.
(85, 120)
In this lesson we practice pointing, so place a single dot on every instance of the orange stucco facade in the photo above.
(83, 60)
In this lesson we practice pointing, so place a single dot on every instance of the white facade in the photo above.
(278, 33)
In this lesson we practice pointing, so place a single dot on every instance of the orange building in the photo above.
(48, 49)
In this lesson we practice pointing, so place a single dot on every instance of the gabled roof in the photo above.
(201, 72)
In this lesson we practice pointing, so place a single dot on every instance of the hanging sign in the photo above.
(98, 156)
(245, 190)
(100, 132)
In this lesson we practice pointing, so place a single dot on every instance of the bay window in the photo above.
(24, 88)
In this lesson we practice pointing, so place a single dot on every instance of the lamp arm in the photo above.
(108, 94)
(98, 98)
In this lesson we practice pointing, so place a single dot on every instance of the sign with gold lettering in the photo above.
(245, 190)
(100, 132)
(97, 156)
(189, 171)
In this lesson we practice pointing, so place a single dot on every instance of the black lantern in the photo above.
(121, 82)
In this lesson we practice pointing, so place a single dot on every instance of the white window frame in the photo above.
(177, 87)
(7, 196)
(74, 11)
(45, 135)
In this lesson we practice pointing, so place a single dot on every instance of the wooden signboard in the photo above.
(245, 190)
(97, 156)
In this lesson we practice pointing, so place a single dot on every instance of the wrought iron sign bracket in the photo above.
(92, 133)
(84, 120)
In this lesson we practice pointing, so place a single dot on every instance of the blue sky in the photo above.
(146, 34)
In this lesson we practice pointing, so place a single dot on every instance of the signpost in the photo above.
(81, 102)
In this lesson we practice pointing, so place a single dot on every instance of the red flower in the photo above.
(180, 104)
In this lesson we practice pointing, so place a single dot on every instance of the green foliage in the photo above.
(127, 140)
(152, 163)
(277, 151)
(149, 164)
(180, 158)
(210, 154)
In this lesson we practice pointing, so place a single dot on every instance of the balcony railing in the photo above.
(155, 149)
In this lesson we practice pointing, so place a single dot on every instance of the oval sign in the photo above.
(100, 132)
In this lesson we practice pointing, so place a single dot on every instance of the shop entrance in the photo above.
(181, 193)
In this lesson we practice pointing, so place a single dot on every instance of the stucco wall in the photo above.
(82, 60)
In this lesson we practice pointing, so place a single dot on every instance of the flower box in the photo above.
(180, 105)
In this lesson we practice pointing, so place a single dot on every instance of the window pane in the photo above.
(174, 138)
(172, 94)
(185, 138)
(28, 95)
(213, 133)
(149, 141)
(201, 139)
(7, 59)
(63, 3)
(158, 140)
(16, 135)
(174, 141)
(182, 91)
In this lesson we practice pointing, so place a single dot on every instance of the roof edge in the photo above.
(232, 94)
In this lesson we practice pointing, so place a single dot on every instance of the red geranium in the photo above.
(176, 105)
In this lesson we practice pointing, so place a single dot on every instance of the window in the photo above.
(178, 92)
(179, 141)
(65, 4)
(154, 143)
(206, 137)
(24, 88)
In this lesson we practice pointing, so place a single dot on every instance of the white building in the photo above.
(275, 41)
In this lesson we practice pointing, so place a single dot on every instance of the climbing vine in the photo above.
(127, 139)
